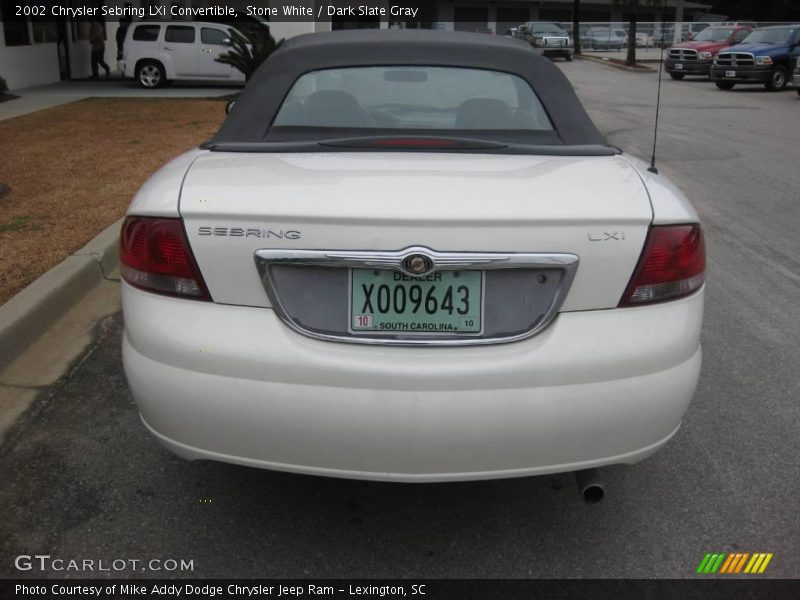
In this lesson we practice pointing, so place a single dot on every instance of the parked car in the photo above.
(645, 40)
(695, 57)
(547, 37)
(249, 25)
(305, 292)
(750, 24)
(601, 38)
(690, 31)
(765, 56)
(156, 52)
(796, 76)
(664, 36)
(622, 33)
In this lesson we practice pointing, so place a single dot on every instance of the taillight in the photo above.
(155, 256)
(672, 265)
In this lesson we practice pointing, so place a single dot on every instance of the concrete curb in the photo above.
(25, 317)
(608, 63)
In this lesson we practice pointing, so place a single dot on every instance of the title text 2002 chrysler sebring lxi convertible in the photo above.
(411, 256)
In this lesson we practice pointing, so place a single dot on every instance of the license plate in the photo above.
(679, 66)
(445, 302)
(730, 73)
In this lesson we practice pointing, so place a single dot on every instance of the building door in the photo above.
(556, 15)
(470, 18)
(511, 17)
(601, 17)
(62, 47)
(355, 23)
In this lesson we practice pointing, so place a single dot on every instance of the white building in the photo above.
(35, 52)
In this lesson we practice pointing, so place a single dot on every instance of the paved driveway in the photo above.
(80, 477)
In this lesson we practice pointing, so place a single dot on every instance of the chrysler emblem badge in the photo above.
(417, 264)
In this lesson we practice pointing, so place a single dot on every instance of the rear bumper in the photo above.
(743, 75)
(566, 51)
(235, 384)
(689, 68)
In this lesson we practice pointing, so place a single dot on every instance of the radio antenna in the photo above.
(652, 168)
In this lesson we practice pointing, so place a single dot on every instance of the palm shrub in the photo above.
(249, 50)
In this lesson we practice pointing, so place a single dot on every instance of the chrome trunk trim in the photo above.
(267, 258)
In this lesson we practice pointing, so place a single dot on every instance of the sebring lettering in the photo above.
(288, 234)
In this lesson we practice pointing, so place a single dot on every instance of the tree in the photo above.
(249, 50)
(576, 25)
(631, 7)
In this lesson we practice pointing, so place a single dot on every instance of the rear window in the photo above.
(146, 33)
(413, 98)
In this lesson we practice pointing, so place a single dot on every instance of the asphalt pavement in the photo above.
(81, 478)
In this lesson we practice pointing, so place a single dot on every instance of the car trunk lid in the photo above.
(234, 204)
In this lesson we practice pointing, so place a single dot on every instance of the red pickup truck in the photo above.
(694, 58)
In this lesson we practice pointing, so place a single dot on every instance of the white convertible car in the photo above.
(411, 256)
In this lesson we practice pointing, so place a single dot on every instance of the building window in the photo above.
(15, 29)
(45, 32)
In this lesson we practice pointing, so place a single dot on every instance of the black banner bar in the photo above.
(421, 589)
(278, 11)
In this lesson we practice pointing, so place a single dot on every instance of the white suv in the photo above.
(157, 52)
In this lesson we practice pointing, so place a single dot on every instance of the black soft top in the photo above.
(261, 99)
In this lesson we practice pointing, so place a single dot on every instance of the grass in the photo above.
(21, 223)
(73, 169)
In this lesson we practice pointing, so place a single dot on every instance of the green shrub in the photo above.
(249, 50)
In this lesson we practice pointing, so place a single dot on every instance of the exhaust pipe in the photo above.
(590, 485)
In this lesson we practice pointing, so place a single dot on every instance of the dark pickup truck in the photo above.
(547, 38)
(766, 56)
(694, 58)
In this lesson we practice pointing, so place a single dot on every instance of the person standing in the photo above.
(122, 30)
(97, 41)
